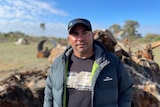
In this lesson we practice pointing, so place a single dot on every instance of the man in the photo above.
(86, 75)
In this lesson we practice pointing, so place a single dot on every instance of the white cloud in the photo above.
(27, 9)
(26, 15)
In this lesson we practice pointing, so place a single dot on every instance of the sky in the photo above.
(26, 15)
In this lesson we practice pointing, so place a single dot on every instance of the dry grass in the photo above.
(14, 57)
(156, 52)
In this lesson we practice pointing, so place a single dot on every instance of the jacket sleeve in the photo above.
(125, 84)
(50, 92)
(48, 98)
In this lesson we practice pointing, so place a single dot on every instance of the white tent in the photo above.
(22, 41)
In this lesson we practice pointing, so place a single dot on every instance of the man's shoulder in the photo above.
(112, 58)
(111, 55)
(57, 60)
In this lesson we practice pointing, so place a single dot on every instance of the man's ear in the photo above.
(93, 34)
(68, 39)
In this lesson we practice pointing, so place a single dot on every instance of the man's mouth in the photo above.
(81, 45)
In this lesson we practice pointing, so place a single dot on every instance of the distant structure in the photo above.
(22, 41)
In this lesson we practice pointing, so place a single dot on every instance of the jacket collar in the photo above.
(99, 49)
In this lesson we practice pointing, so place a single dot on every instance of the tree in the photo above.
(130, 29)
(115, 28)
(42, 26)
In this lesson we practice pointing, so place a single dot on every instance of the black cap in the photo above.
(76, 21)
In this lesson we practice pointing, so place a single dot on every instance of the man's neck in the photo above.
(84, 56)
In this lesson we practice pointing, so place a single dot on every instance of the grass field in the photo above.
(19, 56)
(15, 57)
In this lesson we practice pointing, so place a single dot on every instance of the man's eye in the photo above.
(85, 32)
(75, 34)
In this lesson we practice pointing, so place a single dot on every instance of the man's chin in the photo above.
(81, 50)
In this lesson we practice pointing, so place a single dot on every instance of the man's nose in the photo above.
(80, 35)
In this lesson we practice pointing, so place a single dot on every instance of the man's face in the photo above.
(81, 41)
